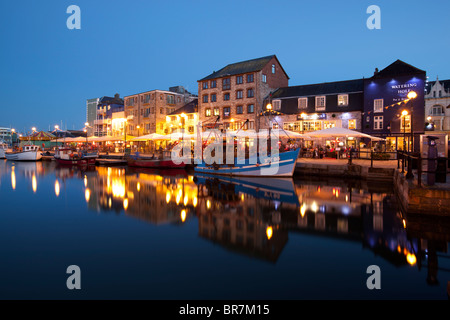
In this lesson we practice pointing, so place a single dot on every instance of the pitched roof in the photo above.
(110, 100)
(242, 67)
(190, 107)
(397, 68)
(444, 83)
(346, 86)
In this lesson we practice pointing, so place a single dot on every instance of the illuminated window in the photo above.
(216, 111)
(343, 100)
(207, 112)
(405, 124)
(352, 124)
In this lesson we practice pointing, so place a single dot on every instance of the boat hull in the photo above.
(155, 163)
(24, 156)
(77, 162)
(281, 166)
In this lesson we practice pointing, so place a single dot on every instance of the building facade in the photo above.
(437, 106)
(106, 107)
(388, 112)
(232, 98)
(184, 119)
(91, 114)
(312, 107)
(146, 112)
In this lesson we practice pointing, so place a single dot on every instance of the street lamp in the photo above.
(404, 114)
(86, 124)
(56, 133)
(411, 96)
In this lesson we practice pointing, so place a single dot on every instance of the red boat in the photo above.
(67, 156)
(163, 161)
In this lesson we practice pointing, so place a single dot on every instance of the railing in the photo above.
(411, 161)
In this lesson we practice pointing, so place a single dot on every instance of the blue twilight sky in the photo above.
(126, 47)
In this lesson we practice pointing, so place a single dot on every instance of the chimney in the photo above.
(376, 71)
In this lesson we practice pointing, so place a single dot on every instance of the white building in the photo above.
(6, 135)
(437, 105)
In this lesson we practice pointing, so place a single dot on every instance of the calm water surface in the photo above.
(141, 234)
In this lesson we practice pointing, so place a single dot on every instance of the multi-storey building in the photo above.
(184, 119)
(312, 107)
(146, 112)
(91, 114)
(437, 104)
(387, 109)
(229, 97)
(106, 107)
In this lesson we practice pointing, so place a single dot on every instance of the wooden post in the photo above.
(419, 170)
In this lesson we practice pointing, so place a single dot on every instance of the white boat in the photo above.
(25, 153)
(3, 149)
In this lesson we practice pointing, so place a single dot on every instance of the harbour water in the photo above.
(142, 234)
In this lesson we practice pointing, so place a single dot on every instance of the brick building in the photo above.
(236, 93)
(146, 112)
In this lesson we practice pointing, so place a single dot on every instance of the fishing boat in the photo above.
(281, 165)
(3, 149)
(161, 161)
(25, 153)
(68, 156)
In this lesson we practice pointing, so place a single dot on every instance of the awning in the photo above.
(341, 132)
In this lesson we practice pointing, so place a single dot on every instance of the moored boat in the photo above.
(25, 153)
(281, 165)
(163, 161)
(67, 156)
(3, 149)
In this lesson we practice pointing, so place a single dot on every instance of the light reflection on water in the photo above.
(271, 227)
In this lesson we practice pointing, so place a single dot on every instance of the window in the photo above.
(273, 68)
(250, 93)
(191, 129)
(437, 110)
(170, 99)
(146, 98)
(239, 79)
(239, 109)
(378, 105)
(405, 123)
(251, 125)
(239, 94)
(343, 100)
(190, 117)
(213, 97)
(161, 110)
(276, 104)
(352, 124)
(440, 93)
(250, 78)
(378, 122)
(264, 78)
(205, 98)
(320, 103)
(226, 97)
(205, 85)
(213, 84)
(208, 112)
(226, 112)
(226, 84)
(302, 103)
(250, 108)
(216, 111)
